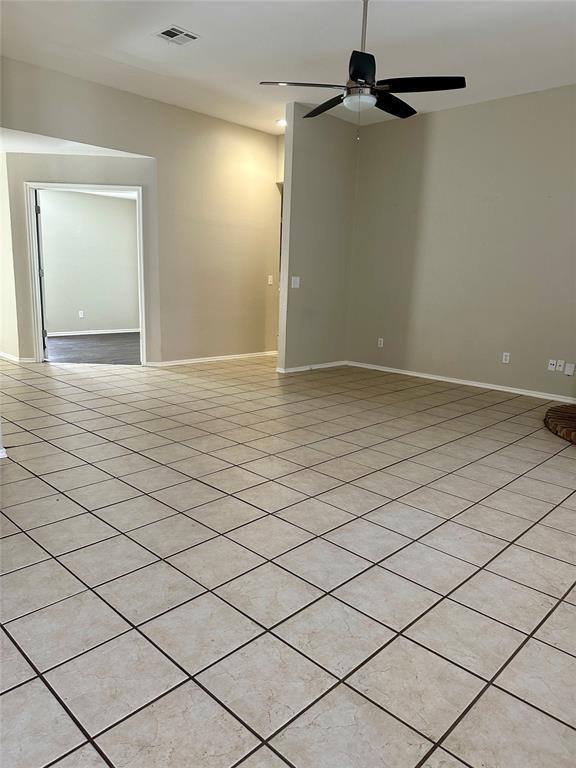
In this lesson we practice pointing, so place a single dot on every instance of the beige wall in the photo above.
(79, 169)
(465, 244)
(317, 223)
(8, 316)
(280, 159)
(218, 204)
(90, 260)
(464, 220)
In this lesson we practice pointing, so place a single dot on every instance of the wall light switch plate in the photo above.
(560, 365)
(551, 365)
(505, 357)
(295, 282)
(380, 343)
(80, 313)
(569, 369)
(270, 279)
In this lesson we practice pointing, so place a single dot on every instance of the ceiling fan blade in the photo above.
(362, 67)
(389, 103)
(421, 84)
(325, 106)
(303, 85)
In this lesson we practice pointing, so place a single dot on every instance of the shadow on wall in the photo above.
(387, 234)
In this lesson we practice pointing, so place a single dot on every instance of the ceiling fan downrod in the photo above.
(364, 24)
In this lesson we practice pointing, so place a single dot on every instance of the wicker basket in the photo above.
(561, 419)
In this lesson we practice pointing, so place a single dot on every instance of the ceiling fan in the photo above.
(363, 91)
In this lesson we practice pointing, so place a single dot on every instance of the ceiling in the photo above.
(504, 47)
(33, 143)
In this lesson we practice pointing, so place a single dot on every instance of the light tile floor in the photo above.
(214, 565)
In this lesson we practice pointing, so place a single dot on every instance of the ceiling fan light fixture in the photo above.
(363, 91)
(359, 102)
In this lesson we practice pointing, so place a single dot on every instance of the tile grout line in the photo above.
(267, 559)
(319, 536)
(490, 683)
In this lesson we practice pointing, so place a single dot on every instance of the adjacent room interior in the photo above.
(89, 288)
(287, 368)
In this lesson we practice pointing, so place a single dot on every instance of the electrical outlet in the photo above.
(560, 365)
(81, 314)
(380, 343)
(569, 369)
(505, 357)
(270, 279)
(551, 365)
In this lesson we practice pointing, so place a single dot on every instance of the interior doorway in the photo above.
(86, 264)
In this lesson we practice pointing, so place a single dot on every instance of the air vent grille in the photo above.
(177, 35)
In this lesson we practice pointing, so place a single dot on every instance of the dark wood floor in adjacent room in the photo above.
(111, 348)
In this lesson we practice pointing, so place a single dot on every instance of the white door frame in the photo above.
(31, 187)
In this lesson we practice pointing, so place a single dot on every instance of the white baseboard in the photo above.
(191, 361)
(92, 333)
(15, 359)
(339, 364)
(466, 382)
(315, 367)
(432, 377)
(9, 357)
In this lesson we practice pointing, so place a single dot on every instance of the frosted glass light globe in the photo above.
(359, 102)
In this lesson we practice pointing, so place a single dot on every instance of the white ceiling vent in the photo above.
(177, 35)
